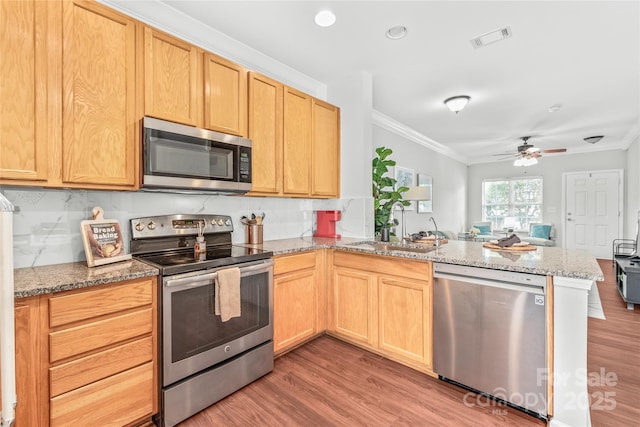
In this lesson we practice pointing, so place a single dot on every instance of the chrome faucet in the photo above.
(436, 242)
(404, 238)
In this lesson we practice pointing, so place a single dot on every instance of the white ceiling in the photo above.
(583, 55)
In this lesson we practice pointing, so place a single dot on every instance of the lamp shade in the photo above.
(417, 193)
(457, 103)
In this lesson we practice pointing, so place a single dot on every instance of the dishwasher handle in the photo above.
(534, 289)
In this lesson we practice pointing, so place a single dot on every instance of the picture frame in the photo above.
(425, 206)
(102, 240)
(405, 177)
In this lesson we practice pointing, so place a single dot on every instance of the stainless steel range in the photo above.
(205, 358)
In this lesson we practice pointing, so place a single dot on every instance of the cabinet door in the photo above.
(225, 96)
(325, 152)
(31, 410)
(295, 307)
(100, 138)
(23, 91)
(297, 143)
(405, 318)
(265, 131)
(355, 301)
(172, 79)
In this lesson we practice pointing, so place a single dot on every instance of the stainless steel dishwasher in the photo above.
(489, 334)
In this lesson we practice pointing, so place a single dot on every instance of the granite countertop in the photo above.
(47, 279)
(552, 261)
(544, 261)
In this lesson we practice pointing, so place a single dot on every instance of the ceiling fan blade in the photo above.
(555, 150)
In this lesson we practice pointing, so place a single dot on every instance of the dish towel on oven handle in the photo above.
(227, 298)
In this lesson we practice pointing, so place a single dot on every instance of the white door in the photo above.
(592, 211)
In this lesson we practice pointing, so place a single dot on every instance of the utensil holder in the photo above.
(254, 234)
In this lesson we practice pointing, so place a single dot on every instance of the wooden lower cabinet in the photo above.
(88, 356)
(29, 352)
(383, 304)
(355, 305)
(299, 299)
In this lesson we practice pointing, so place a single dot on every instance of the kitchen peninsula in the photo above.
(308, 267)
(571, 275)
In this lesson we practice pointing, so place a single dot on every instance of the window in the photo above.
(512, 203)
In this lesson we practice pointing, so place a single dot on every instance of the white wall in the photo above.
(632, 182)
(550, 167)
(449, 182)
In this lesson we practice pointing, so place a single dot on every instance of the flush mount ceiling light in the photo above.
(457, 103)
(325, 18)
(397, 32)
(593, 139)
(554, 108)
(525, 161)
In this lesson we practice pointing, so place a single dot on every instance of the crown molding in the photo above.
(385, 122)
(160, 15)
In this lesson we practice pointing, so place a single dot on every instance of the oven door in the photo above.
(194, 338)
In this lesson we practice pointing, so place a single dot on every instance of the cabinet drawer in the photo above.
(86, 370)
(95, 335)
(420, 270)
(114, 401)
(289, 263)
(84, 305)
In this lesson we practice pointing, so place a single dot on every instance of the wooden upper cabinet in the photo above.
(172, 79)
(23, 91)
(325, 150)
(297, 143)
(225, 96)
(100, 138)
(265, 131)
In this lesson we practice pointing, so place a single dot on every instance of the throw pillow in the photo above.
(484, 229)
(541, 231)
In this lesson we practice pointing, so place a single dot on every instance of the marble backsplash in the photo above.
(47, 222)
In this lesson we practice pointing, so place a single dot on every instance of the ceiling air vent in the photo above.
(491, 37)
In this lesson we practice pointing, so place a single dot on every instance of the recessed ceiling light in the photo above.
(554, 108)
(325, 18)
(397, 32)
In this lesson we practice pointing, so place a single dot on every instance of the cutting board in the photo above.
(495, 247)
(429, 242)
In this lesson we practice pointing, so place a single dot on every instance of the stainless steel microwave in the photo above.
(179, 157)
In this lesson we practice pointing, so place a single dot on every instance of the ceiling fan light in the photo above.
(457, 103)
(593, 139)
(525, 161)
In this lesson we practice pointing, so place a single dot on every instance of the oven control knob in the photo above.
(220, 222)
(139, 226)
(227, 222)
(151, 225)
(227, 349)
(213, 222)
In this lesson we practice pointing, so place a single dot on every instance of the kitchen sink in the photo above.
(392, 246)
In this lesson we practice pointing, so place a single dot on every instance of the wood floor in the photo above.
(613, 358)
(330, 383)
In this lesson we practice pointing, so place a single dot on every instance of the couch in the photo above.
(486, 231)
(540, 234)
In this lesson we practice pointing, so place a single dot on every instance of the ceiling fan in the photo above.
(527, 154)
